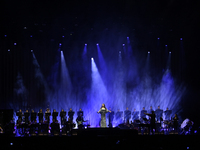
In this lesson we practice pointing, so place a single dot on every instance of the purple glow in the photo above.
(127, 37)
(63, 36)
(5, 35)
(170, 52)
(31, 50)
(123, 44)
(148, 52)
(181, 39)
(158, 38)
(120, 52)
(31, 36)
(60, 44)
(166, 45)
(15, 43)
(97, 43)
(85, 44)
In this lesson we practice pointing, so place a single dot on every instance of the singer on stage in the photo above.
(103, 110)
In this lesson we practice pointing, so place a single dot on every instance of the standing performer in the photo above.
(40, 114)
(159, 113)
(118, 116)
(110, 118)
(71, 114)
(152, 121)
(80, 121)
(168, 114)
(47, 115)
(175, 120)
(135, 115)
(103, 110)
(33, 116)
(19, 114)
(80, 112)
(55, 114)
(26, 114)
(143, 114)
(127, 115)
(62, 117)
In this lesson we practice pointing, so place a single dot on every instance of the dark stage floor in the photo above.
(102, 139)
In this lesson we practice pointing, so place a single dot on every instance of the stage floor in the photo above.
(97, 138)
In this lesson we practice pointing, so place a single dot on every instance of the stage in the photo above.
(97, 137)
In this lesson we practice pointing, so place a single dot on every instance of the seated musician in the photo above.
(80, 121)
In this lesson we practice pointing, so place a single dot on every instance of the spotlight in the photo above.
(31, 36)
(8, 50)
(97, 43)
(181, 39)
(63, 36)
(60, 44)
(158, 38)
(123, 44)
(25, 27)
(148, 52)
(119, 52)
(15, 43)
(5, 35)
(127, 37)
(92, 58)
(85, 44)
(166, 45)
(31, 51)
(170, 52)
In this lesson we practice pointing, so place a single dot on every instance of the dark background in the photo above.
(104, 22)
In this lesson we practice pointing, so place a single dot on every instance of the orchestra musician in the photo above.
(110, 118)
(33, 116)
(40, 115)
(19, 114)
(152, 118)
(47, 115)
(62, 117)
(71, 114)
(127, 115)
(55, 114)
(80, 121)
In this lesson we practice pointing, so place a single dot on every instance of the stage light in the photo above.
(11, 143)
(85, 44)
(170, 52)
(97, 43)
(91, 58)
(31, 36)
(127, 37)
(123, 44)
(158, 38)
(5, 35)
(15, 43)
(181, 39)
(8, 50)
(31, 50)
(148, 52)
(166, 45)
(63, 36)
(120, 52)
(25, 27)
(60, 44)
